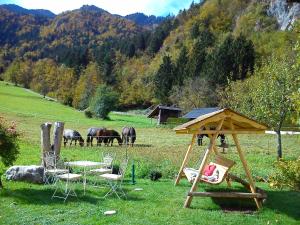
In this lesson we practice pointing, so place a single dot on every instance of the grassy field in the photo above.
(157, 148)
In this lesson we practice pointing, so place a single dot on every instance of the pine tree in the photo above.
(164, 80)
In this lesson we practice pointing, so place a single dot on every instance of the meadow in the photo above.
(157, 148)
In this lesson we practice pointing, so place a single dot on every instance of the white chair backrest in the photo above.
(108, 159)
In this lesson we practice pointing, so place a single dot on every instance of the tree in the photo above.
(164, 79)
(197, 59)
(232, 60)
(180, 66)
(194, 93)
(86, 86)
(268, 96)
(104, 101)
(12, 73)
(9, 148)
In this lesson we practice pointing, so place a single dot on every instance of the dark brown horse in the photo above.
(108, 136)
(128, 134)
(91, 134)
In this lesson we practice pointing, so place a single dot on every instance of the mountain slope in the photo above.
(143, 20)
(36, 12)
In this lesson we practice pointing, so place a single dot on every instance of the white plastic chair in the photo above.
(115, 181)
(66, 185)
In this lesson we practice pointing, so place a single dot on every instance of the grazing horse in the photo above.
(128, 133)
(91, 134)
(100, 136)
(109, 136)
(201, 136)
(72, 135)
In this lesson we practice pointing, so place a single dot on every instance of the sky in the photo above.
(121, 7)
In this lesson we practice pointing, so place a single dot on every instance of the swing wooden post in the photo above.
(203, 163)
(244, 162)
(180, 173)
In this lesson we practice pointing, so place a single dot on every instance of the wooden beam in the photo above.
(179, 176)
(226, 194)
(203, 163)
(237, 131)
(244, 162)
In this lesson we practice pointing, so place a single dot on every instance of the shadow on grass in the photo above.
(279, 201)
(44, 196)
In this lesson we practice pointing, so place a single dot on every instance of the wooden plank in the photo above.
(226, 194)
(185, 160)
(203, 163)
(244, 162)
(238, 118)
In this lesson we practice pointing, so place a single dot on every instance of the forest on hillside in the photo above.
(205, 56)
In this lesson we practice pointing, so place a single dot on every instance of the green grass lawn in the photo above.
(157, 148)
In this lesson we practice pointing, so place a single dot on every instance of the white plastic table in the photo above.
(84, 165)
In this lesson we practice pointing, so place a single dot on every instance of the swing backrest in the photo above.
(223, 165)
(224, 161)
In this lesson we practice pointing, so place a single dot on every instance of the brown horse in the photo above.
(108, 136)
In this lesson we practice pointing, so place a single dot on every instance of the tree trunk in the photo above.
(57, 134)
(279, 145)
(1, 185)
(45, 140)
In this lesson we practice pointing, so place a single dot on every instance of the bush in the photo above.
(116, 168)
(104, 101)
(155, 175)
(88, 113)
(9, 148)
(288, 175)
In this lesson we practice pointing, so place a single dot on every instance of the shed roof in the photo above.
(241, 124)
(155, 111)
(199, 112)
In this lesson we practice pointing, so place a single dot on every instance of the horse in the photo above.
(108, 136)
(201, 136)
(100, 136)
(72, 135)
(91, 134)
(128, 133)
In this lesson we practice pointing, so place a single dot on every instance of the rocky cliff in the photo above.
(285, 11)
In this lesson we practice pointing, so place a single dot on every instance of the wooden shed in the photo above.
(162, 113)
(224, 121)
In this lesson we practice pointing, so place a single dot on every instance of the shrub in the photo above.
(88, 113)
(116, 168)
(104, 101)
(155, 175)
(9, 148)
(288, 175)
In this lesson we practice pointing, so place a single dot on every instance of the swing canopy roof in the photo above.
(233, 123)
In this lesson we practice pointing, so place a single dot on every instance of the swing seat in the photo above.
(222, 164)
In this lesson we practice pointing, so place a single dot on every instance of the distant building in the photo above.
(195, 113)
(162, 113)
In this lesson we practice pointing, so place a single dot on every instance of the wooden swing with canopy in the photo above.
(224, 121)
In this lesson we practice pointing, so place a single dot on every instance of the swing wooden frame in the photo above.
(224, 121)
